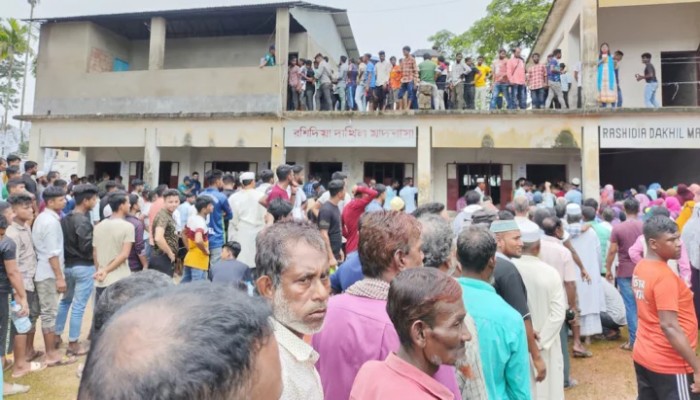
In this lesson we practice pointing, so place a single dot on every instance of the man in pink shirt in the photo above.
(516, 77)
(426, 308)
(500, 80)
(357, 328)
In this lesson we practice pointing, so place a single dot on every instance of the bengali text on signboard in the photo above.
(339, 134)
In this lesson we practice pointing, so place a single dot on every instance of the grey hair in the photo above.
(475, 247)
(273, 244)
(437, 238)
(521, 204)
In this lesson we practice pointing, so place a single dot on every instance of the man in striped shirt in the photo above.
(537, 81)
(409, 77)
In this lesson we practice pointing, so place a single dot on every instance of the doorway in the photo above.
(384, 173)
(228, 167)
(538, 174)
(169, 173)
(467, 175)
(679, 75)
(324, 170)
(113, 168)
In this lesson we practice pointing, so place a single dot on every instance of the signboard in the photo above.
(659, 134)
(330, 133)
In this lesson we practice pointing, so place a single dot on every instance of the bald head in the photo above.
(163, 346)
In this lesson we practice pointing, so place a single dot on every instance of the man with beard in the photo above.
(292, 274)
(425, 305)
(510, 286)
(166, 239)
(357, 322)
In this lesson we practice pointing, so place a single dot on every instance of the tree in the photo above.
(507, 24)
(13, 43)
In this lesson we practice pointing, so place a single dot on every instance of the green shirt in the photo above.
(426, 71)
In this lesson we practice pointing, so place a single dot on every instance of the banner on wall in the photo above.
(330, 133)
(650, 135)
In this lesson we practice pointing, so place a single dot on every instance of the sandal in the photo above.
(13, 388)
(66, 360)
(572, 384)
(33, 367)
(627, 346)
(83, 350)
(583, 354)
(36, 355)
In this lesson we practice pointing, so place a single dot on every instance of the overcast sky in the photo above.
(377, 25)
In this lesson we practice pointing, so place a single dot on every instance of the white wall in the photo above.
(322, 30)
(653, 29)
(517, 157)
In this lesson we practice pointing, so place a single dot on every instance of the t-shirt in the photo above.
(656, 288)
(108, 238)
(408, 195)
(480, 80)
(625, 235)
(166, 221)
(230, 271)
(8, 252)
(216, 218)
(277, 193)
(614, 305)
(329, 219)
(650, 70)
(553, 66)
(510, 286)
(426, 71)
(195, 257)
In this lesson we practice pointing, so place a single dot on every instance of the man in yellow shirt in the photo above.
(482, 89)
(196, 235)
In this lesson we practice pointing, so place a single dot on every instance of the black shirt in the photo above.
(30, 185)
(8, 251)
(510, 286)
(650, 70)
(469, 78)
(329, 219)
(77, 239)
(230, 272)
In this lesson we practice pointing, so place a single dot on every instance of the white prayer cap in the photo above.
(576, 182)
(248, 176)
(529, 231)
(480, 180)
(573, 209)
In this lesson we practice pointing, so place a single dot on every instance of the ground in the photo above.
(609, 374)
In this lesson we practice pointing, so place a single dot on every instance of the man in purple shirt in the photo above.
(357, 327)
(622, 238)
(137, 258)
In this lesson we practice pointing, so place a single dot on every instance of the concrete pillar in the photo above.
(156, 54)
(423, 180)
(278, 154)
(589, 52)
(82, 162)
(35, 151)
(151, 159)
(590, 160)
(282, 53)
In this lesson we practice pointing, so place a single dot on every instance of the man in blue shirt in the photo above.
(222, 210)
(377, 204)
(370, 81)
(573, 195)
(501, 331)
(196, 185)
(349, 272)
(408, 194)
(554, 78)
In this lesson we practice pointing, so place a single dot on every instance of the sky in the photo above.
(377, 25)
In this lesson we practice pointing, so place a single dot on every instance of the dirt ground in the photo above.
(609, 374)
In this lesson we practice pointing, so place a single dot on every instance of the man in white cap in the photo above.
(591, 298)
(481, 188)
(248, 217)
(509, 284)
(574, 194)
(547, 303)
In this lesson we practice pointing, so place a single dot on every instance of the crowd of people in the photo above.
(316, 292)
(380, 83)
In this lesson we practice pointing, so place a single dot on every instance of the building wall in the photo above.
(644, 31)
(620, 3)
(322, 31)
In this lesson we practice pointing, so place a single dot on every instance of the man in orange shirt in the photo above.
(394, 84)
(664, 353)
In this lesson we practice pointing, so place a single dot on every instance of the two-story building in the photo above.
(159, 95)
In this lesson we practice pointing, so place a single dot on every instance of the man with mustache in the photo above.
(357, 322)
(425, 305)
(292, 274)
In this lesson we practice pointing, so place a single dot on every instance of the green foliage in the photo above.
(9, 88)
(24, 147)
(507, 24)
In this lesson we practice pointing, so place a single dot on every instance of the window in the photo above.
(384, 172)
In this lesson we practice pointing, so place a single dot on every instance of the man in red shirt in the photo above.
(285, 179)
(664, 353)
(352, 212)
